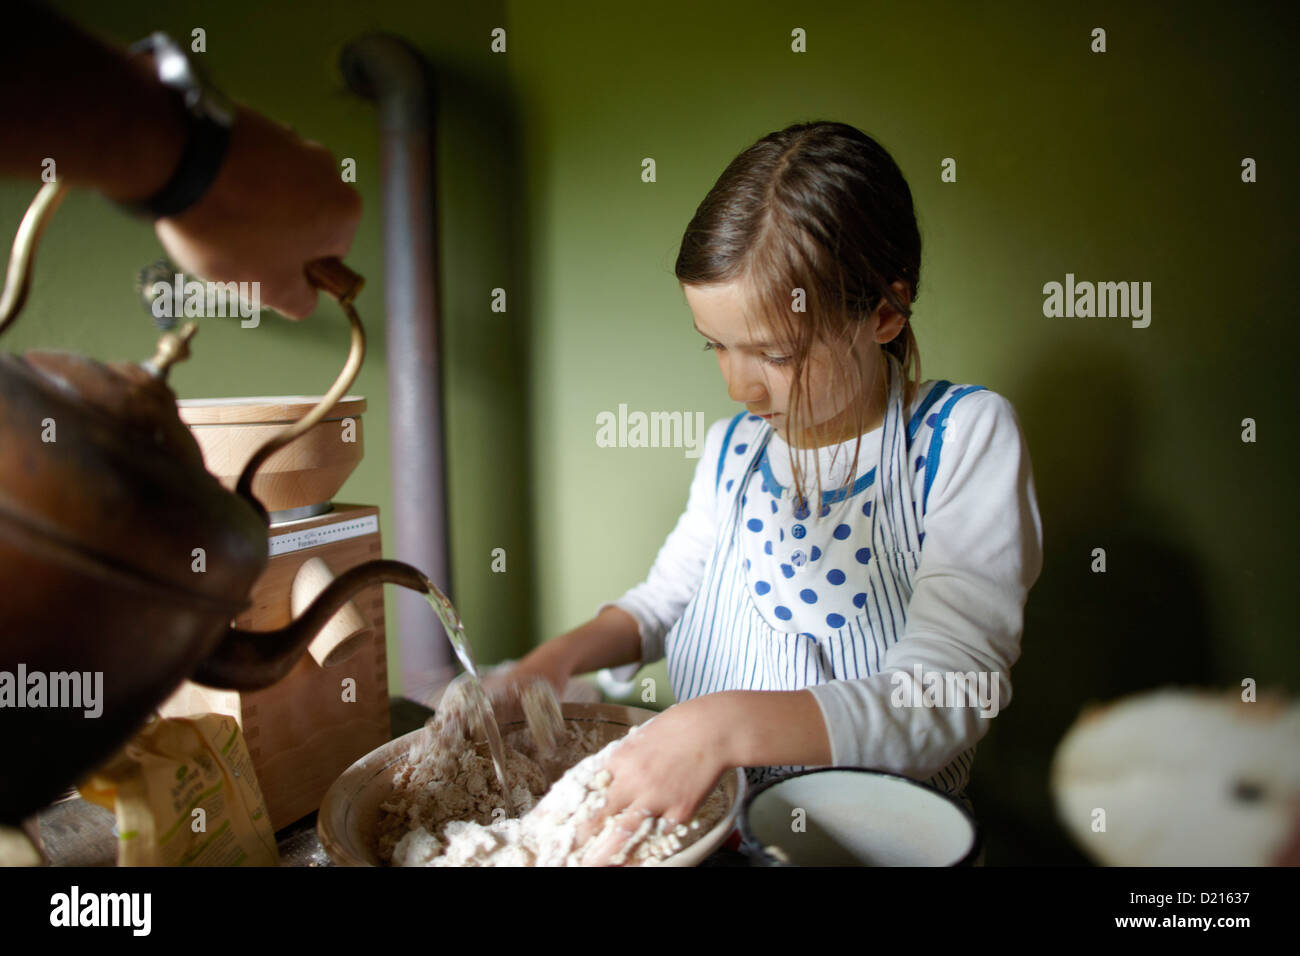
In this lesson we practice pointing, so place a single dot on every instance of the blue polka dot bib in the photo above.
(800, 561)
(804, 563)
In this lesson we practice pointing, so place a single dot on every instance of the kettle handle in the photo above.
(18, 277)
(332, 276)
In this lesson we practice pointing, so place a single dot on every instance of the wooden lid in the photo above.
(260, 410)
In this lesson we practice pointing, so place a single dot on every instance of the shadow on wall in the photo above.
(1088, 636)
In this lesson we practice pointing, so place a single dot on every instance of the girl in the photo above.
(850, 533)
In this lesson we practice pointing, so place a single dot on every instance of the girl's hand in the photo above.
(665, 769)
(505, 690)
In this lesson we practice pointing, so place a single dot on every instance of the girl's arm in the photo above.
(610, 639)
(760, 728)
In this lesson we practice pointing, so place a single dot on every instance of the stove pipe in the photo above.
(390, 72)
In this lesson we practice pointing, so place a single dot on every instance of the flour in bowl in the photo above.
(448, 810)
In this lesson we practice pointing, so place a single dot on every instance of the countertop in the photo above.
(77, 833)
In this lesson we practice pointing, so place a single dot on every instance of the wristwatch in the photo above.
(208, 118)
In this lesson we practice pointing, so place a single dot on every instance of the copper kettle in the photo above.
(105, 511)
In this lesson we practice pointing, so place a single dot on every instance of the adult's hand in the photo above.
(277, 204)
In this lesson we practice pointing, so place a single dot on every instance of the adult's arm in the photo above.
(277, 203)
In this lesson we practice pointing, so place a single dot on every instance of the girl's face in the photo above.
(758, 369)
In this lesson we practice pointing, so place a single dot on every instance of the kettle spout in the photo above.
(251, 660)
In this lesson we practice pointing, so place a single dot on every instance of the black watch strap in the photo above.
(206, 143)
(208, 119)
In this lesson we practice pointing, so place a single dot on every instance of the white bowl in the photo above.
(349, 814)
(850, 816)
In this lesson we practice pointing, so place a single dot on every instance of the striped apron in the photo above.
(722, 642)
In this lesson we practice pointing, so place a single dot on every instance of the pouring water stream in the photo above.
(451, 623)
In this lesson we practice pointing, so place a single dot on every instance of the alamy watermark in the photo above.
(1124, 300)
(75, 908)
(626, 429)
(194, 299)
(75, 689)
(946, 689)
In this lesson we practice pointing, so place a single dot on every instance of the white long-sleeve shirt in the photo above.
(981, 553)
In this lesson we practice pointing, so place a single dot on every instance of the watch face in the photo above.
(177, 70)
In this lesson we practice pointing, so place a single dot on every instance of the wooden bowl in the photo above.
(308, 471)
(350, 813)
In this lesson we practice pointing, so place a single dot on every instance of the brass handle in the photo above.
(18, 279)
(332, 276)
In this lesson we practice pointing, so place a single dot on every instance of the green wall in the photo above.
(1116, 166)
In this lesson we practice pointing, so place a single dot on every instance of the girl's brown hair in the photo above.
(816, 223)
